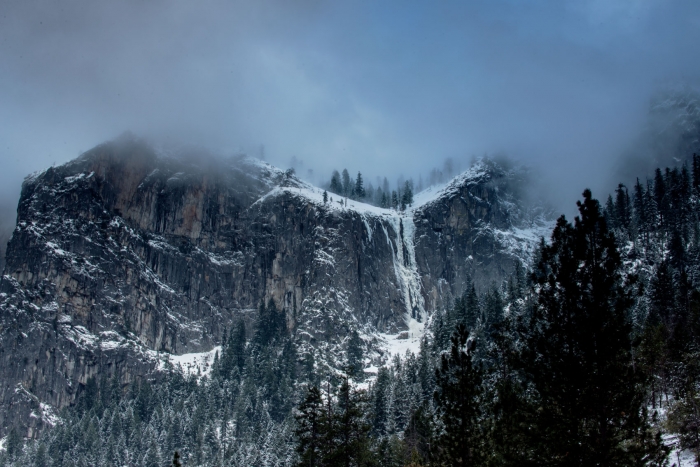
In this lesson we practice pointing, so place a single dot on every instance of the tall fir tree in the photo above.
(407, 197)
(660, 200)
(359, 187)
(696, 174)
(459, 402)
(641, 213)
(336, 185)
(312, 425)
(589, 400)
(349, 442)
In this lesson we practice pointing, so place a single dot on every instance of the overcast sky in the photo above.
(386, 87)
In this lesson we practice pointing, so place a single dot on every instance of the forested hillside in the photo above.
(588, 357)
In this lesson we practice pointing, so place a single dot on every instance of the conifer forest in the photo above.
(303, 233)
(589, 356)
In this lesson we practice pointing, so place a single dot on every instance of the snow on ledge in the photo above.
(193, 363)
(404, 341)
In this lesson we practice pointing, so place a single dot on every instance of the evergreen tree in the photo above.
(355, 359)
(325, 197)
(493, 308)
(336, 185)
(660, 200)
(312, 425)
(271, 323)
(369, 193)
(610, 212)
(359, 187)
(346, 183)
(684, 413)
(351, 445)
(472, 307)
(176, 460)
(662, 296)
(651, 207)
(590, 402)
(623, 208)
(13, 444)
(380, 401)
(685, 189)
(394, 200)
(379, 197)
(509, 419)
(459, 402)
(696, 175)
(419, 437)
(641, 213)
(407, 197)
(234, 353)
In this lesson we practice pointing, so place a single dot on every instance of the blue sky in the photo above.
(385, 87)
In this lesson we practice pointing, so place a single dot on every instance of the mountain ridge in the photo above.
(124, 255)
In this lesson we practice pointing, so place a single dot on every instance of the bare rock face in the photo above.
(476, 229)
(123, 256)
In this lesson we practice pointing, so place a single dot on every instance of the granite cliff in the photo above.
(126, 256)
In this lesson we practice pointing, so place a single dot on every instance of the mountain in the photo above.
(130, 258)
(670, 135)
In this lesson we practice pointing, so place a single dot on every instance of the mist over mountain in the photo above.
(669, 136)
(331, 233)
(142, 280)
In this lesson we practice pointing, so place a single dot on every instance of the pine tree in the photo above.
(590, 402)
(696, 174)
(508, 418)
(325, 197)
(346, 183)
(685, 189)
(359, 187)
(407, 197)
(610, 212)
(651, 207)
(623, 208)
(419, 436)
(176, 460)
(380, 402)
(684, 413)
(660, 198)
(355, 360)
(369, 193)
(271, 323)
(472, 307)
(311, 428)
(493, 308)
(13, 444)
(641, 213)
(459, 402)
(336, 185)
(394, 200)
(350, 433)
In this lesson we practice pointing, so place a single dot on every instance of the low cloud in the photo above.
(386, 88)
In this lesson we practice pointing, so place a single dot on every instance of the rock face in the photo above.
(122, 257)
(476, 229)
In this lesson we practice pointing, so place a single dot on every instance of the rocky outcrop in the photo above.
(476, 229)
(124, 256)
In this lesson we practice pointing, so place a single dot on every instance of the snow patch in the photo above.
(193, 363)
(405, 341)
